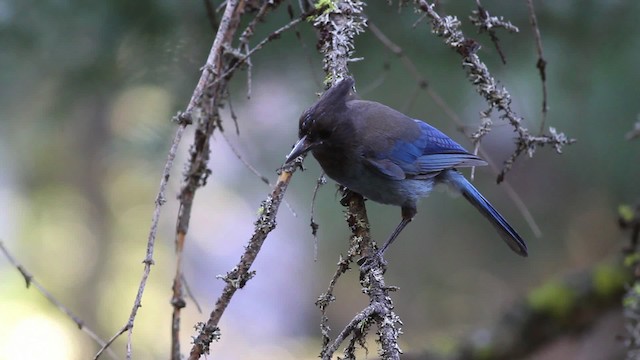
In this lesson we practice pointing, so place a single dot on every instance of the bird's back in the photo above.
(415, 146)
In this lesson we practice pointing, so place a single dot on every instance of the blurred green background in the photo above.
(87, 93)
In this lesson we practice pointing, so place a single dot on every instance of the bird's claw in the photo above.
(366, 263)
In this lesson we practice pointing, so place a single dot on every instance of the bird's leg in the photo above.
(394, 235)
(407, 215)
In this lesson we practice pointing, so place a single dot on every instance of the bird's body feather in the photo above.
(389, 157)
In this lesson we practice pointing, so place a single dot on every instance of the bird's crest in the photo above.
(338, 94)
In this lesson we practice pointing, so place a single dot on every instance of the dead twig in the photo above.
(541, 64)
(30, 280)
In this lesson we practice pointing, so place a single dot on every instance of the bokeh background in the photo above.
(88, 90)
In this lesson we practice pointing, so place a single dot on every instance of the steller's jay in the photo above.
(389, 157)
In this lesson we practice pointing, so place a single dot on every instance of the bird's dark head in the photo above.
(318, 124)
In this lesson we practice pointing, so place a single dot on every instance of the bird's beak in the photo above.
(302, 146)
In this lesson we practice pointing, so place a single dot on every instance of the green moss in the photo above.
(553, 298)
(323, 6)
(608, 280)
(483, 353)
(625, 212)
(328, 80)
(632, 259)
(327, 5)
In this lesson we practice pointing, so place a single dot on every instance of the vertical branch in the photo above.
(237, 278)
(338, 24)
(541, 64)
(203, 110)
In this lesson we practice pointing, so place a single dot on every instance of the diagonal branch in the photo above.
(237, 278)
(30, 280)
(148, 260)
(448, 28)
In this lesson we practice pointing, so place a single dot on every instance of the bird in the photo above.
(388, 157)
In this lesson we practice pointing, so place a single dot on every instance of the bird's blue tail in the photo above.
(508, 234)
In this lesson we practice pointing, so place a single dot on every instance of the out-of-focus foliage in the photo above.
(88, 92)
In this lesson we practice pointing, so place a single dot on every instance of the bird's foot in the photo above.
(366, 263)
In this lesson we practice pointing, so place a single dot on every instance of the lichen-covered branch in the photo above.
(203, 112)
(487, 23)
(338, 24)
(541, 64)
(238, 277)
(448, 28)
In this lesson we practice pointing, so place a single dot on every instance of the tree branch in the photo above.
(203, 109)
(237, 278)
(448, 28)
(541, 64)
(30, 280)
(337, 26)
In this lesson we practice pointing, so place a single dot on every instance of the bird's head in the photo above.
(318, 124)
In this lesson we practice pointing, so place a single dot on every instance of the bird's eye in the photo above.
(324, 133)
(306, 122)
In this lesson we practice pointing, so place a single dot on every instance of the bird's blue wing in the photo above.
(431, 152)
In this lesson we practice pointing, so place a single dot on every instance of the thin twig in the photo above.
(248, 33)
(305, 48)
(541, 64)
(354, 325)
(274, 35)
(30, 280)
(359, 240)
(253, 170)
(314, 225)
(249, 72)
(187, 288)
(209, 331)
(515, 197)
(250, 167)
(233, 115)
(183, 120)
(398, 51)
(487, 23)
